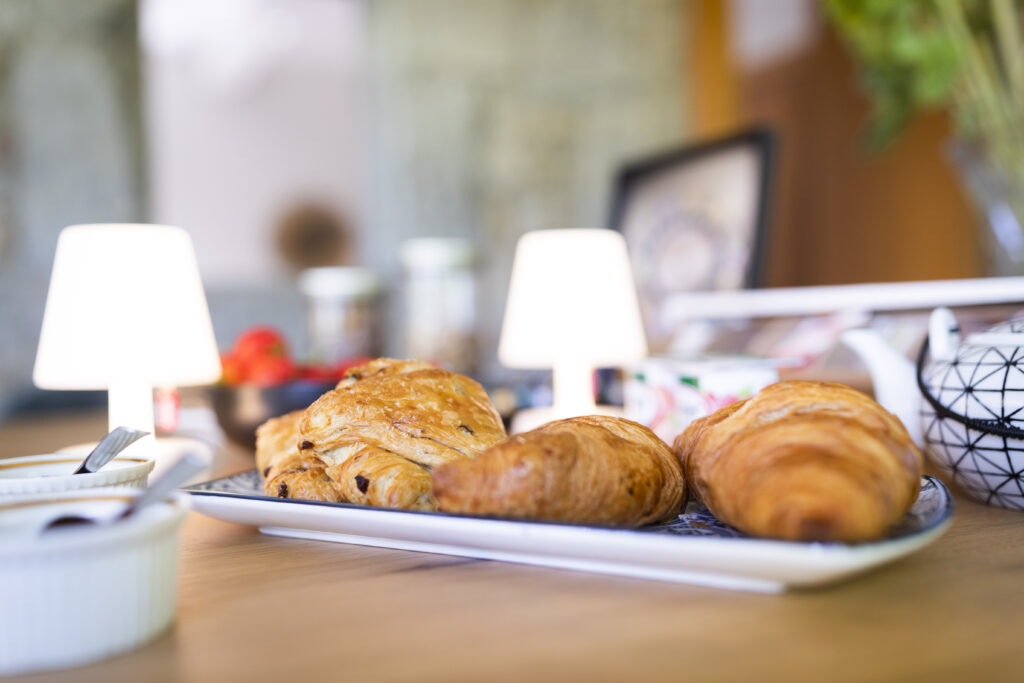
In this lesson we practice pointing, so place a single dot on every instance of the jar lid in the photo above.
(436, 252)
(339, 282)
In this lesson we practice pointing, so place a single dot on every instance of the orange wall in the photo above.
(841, 213)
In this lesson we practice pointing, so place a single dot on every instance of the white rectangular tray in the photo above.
(696, 548)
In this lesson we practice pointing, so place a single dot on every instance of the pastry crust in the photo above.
(276, 439)
(803, 461)
(593, 469)
(428, 415)
(373, 476)
(382, 367)
(286, 471)
(302, 477)
(389, 422)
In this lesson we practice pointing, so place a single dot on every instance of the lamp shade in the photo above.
(571, 300)
(125, 305)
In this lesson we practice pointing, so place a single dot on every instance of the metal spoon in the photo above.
(109, 446)
(187, 467)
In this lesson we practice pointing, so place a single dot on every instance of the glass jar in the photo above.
(440, 322)
(343, 313)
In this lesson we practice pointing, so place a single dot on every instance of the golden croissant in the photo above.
(808, 461)
(595, 469)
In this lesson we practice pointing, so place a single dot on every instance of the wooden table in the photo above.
(255, 608)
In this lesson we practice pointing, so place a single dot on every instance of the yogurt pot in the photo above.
(80, 593)
(52, 473)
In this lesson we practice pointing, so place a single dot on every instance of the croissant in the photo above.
(594, 469)
(807, 461)
(389, 422)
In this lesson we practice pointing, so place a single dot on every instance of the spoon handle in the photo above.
(109, 446)
(188, 466)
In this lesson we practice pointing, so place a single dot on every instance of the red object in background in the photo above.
(270, 370)
(260, 357)
(316, 373)
(231, 369)
(167, 413)
(259, 342)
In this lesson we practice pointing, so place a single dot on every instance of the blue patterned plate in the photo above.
(694, 548)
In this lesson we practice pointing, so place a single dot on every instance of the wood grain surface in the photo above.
(258, 608)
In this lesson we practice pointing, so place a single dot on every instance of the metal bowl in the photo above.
(241, 409)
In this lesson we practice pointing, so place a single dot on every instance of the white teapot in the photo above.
(965, 407)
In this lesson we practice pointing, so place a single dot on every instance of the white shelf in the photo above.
(877, 296)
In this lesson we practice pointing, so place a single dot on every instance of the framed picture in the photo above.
(695, 219)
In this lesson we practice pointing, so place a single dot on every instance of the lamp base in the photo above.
(531, 418)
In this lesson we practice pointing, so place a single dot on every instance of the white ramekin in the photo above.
(52, 473)
(78, 594)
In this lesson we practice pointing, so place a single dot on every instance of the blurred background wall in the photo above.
(397, 118)
(493, 118)
(71, 151)
(386, 119)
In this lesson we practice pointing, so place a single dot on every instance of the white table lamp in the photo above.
(572, 307)
(126, 312)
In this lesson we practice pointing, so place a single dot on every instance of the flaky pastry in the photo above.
(803, 461)
(593, 469)
(389, 422)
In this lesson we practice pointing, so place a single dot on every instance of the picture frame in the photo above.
(695, 219)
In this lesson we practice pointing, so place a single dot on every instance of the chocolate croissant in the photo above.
(594, 469)
(388, 423)
(302, 477)
(805, 461)
(276, 439)
(286, 471)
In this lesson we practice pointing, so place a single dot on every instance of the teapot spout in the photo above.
(893, 376)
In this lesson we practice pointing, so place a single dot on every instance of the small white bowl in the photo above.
(52, 473)
(81, 593)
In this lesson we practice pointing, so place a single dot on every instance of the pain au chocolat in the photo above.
(286, 471)
(384, 427)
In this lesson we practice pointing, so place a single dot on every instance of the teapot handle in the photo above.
(995, 426)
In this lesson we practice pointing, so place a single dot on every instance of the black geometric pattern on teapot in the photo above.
(985, 384)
